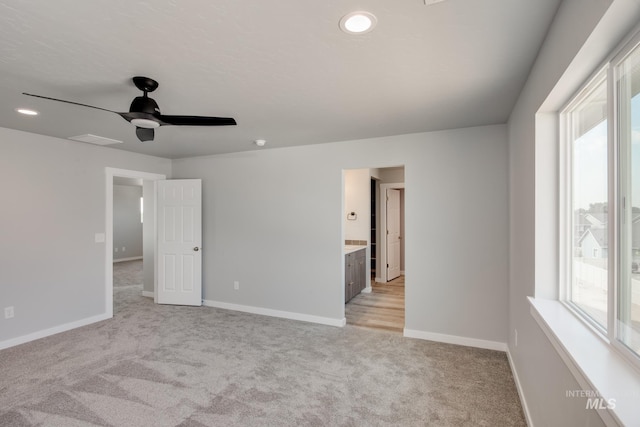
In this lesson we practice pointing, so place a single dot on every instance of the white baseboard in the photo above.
(454, 339)
(276, 313)
(516, 379)
(148, 294)
(366, 290)
(133, 258)
(52, 331)
(378, 280)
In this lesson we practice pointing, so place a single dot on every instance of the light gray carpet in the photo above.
(127, 273)
(155, 365)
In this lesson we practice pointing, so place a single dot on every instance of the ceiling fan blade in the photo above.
(144, 134)
(68, 102)
(196, 121)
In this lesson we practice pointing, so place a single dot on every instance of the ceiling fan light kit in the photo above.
(145, 123)
(145, 115)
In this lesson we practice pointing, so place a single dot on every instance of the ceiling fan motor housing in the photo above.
(144, 104)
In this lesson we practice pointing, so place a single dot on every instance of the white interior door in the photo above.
(179, 211)
(393, 234)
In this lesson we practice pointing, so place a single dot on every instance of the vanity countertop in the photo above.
(352, 248)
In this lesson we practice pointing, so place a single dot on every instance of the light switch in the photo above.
(99, 237)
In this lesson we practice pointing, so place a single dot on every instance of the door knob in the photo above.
(196, 249)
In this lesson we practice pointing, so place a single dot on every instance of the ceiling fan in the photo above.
(145, 114)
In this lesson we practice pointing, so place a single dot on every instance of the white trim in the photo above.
(276, 313)
(52, 331)
(148, 294)
(110, 173)
(454, 339)
(591, 361)
(133, 258)
(516, 379)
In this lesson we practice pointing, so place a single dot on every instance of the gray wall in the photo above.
(563, 63)
(273, 220)
(51, 269)
(391, 175)
(127, 228)
(357, 198)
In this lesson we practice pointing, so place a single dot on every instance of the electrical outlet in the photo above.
(515, 337)
(124, 248)
(8, 312)
(236, 285)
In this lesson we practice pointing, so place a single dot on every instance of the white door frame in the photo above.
(383, 227)
(110, 174)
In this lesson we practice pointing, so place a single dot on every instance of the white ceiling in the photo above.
(283, 69)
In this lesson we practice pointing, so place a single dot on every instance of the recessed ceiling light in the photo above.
(358, 22)
(27, 111)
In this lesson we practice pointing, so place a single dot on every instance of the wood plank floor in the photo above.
(383, 308)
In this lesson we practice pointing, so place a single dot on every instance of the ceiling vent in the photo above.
(94, 139)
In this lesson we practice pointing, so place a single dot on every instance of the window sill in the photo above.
(598, 368)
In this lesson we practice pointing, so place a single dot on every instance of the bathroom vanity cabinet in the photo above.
(355, 273)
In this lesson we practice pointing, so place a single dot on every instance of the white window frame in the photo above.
(615, 134)
(609, 71)
(566, 198)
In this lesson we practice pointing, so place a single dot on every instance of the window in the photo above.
(601, 139)
(586, 124)
(627, 92)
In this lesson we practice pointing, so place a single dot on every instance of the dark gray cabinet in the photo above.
(354, 274)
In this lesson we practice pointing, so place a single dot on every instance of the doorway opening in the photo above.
(146, 186)
(391, 237)
(128, 241)
(374, 226)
